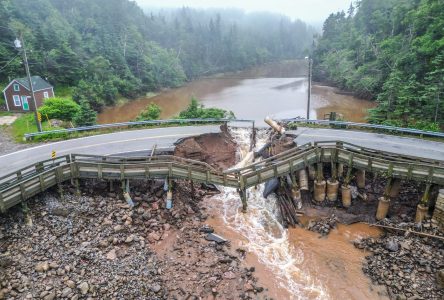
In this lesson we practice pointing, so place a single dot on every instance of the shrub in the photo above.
(86, 116)
(59, 108)
(198, 111)
(151, 112)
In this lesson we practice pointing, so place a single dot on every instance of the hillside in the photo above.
(107, 48)
(391, 51)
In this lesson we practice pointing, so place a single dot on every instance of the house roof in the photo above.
(38, 83)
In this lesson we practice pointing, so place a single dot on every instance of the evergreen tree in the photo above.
(86, 116)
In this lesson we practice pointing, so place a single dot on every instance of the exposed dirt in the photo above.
(216, 149)
(7, 143)
(95, 246)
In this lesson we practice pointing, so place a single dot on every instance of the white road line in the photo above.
(410, 145)
(88, 137)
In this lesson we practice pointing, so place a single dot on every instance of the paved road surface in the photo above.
(106, 144)
(142, 140)
(389, 143)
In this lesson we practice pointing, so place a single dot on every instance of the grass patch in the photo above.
(26, 124)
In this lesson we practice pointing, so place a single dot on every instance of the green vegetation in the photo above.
(391, 51)
(107, 49)
(86, 115)
(59, 108)
(26, 124)
(198, 111)
(151, 112)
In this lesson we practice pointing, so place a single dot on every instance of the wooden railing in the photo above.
(25, 183)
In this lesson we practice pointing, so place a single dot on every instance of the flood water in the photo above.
(278, 90)
(292, 263)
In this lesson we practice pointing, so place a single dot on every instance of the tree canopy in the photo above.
(107, 48)
(391, 51)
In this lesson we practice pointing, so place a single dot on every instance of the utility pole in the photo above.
(20, 44)
(310, 62)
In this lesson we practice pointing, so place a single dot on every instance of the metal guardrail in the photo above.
(135, 123)
(371, 126)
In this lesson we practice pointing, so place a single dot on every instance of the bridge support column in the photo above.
(26, 214)
(332, 190)
(311, 172)
(126, 191)
(303, 180)
(396, 186)
(422, 208)
(169, 198)
(360, 179)
(340, 170)
(77, 185)
(243, 196)
(319, 184)
(333, 184)
(384, 202)
(111, 186)
(346, 195)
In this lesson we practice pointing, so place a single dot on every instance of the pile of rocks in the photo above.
(97, 247)
(323, 225)
(410, 266)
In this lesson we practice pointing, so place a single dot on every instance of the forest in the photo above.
(391, 51)
(106, 49)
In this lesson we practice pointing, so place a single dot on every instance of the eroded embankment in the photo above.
(95, 246)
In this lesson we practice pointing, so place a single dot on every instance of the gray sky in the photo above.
(313, 11)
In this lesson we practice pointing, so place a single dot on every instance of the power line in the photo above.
(8, 62)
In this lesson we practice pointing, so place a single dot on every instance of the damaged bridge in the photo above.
(19, 186)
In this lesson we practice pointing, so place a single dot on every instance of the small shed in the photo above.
(18, 94)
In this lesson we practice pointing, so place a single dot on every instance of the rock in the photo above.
(118, 228)
(440, 278)
(153, 237)
(50, 296)
(111, 255)
(71, 284)
(206, 229)
(229, 275)
(392, 245)
(156, 288)
(83, 287)
(129, 239)
(42, 267)
(66, 291)
(216, 238)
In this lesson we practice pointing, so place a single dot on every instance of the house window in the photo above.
(45, 95)
(16, 88)
(17, 100)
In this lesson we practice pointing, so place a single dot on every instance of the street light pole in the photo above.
(310, 62)
(21, 46)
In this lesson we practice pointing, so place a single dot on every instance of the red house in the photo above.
(18, 94)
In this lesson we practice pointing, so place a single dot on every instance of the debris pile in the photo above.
(96, 246)
(409, 265)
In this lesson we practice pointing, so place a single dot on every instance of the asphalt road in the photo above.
(106, 144)
(390, 143)
(143, 140)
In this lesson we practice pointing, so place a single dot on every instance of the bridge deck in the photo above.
(32, 180)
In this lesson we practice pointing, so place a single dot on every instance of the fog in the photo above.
(313, 11)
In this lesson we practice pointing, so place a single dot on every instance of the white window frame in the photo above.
(16, 87)
(17, 99)
(45, 95)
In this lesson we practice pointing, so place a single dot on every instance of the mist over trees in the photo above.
(111, 48)
(391, 51)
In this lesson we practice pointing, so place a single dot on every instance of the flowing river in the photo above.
(278, 90)
(292, 263)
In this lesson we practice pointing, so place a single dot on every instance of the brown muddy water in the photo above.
(277, 90)
(292, 263)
